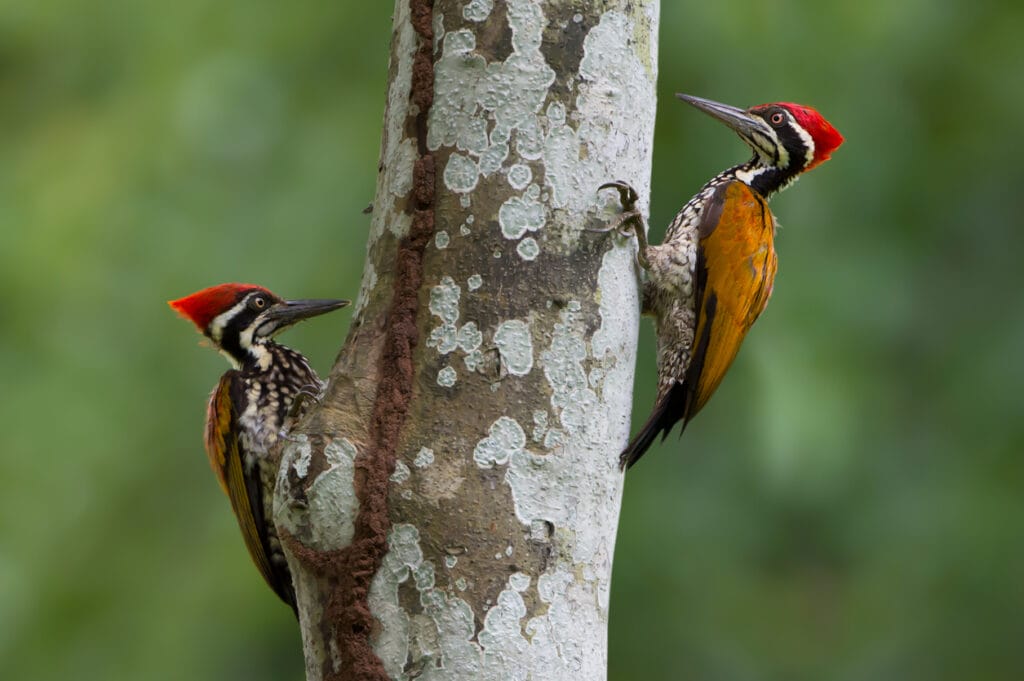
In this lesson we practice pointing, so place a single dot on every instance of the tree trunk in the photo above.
(450, 506)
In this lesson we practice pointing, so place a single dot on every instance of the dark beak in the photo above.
(743, 123)
(293, 311)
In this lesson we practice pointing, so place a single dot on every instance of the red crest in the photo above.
(826, 138)
(201, 307)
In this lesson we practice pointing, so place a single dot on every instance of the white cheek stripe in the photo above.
(245, 338)
(220, 322)
(808, 142)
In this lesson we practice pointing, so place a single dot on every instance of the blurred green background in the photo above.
(850, 505)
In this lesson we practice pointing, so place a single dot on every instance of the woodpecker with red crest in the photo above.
(252, 404)
(712, 276)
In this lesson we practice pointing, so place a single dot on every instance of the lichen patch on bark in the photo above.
(445, 642)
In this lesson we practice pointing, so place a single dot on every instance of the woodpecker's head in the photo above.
(240, 318)
(787, 139)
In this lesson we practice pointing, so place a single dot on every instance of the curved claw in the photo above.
(307, 393)
(631, 217)
(627, 195)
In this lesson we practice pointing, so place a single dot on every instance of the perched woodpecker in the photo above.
(251, 405)
(709, 280)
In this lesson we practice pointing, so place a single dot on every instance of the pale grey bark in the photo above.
(504, 498)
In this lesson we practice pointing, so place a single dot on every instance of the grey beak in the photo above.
(292, 311)
(739, 120)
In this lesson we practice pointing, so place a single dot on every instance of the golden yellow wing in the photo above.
(736, 264)
(221, 437)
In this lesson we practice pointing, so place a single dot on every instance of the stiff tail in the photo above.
(682, 401)
(669, 410)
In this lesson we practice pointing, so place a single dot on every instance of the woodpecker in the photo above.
(252, 403)
(712, 276)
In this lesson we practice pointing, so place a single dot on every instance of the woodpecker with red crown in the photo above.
(712, 276)
(252, 404)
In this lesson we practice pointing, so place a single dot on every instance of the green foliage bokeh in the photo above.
(849, 506)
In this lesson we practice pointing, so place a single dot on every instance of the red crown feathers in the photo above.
(202, 306)
(826, 138)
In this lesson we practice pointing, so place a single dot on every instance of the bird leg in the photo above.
(630, 220)
(307, 393)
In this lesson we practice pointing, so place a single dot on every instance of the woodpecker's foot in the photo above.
(630, 220)
(306, 394)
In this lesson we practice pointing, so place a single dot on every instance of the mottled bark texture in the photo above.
(450, 506)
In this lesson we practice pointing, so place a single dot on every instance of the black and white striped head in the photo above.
(787, 139)
(240, 318)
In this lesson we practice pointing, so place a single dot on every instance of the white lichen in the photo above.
(519, 581)
(618, 308)
(330, 504)
(528, 248)
(404, 160)
(302, 458)
(446, 377)
(474, 282)
(522, 214)
(554, 437)
(519, 176)
(392, 642)
(444, 304)
(424, 457)
(513, 340)
(540, 424)
(401, 473)
(438, 30)
(477, 10)
(441, 642)
(469, 337)
(540, 531)
(571, 395)
(473, 360)
(473, 97)
(461, 173)
(505, 439)
(366, 286)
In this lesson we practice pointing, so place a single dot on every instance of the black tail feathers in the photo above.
(668, 411)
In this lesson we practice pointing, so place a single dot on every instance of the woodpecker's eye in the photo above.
(258, 303)
(777, 118)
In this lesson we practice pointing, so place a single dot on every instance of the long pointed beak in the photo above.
(739, 120)
(293, 311)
